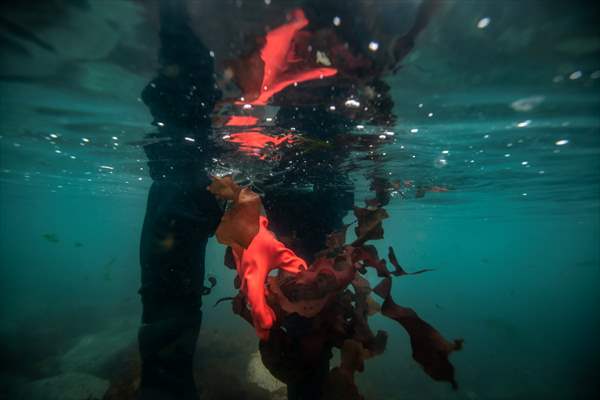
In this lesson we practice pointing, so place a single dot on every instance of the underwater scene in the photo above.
(299, 199)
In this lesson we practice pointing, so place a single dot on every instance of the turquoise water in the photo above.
(504, 116)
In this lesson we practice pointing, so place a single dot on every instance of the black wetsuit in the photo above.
(181, 214)
(308, 203)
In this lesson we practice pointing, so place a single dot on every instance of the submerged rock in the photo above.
(257, 373)
(68, 386)
(97, 353)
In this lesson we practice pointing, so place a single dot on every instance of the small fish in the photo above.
(78, 244)
(111, 262)
(51, 237)
(108, 269)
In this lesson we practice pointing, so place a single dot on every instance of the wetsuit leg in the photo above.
(309, 217)
(181, 214)
(309, 385)
(178, 222)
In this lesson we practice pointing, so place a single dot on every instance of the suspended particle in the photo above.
(483, 22)
(575, 75)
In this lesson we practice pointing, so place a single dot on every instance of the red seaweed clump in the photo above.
(256, 251)
(278, 63)
(320, 291)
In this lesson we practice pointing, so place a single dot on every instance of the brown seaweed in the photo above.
(429, 347)
(223, 299)
(368, 255)
(382, 188)
(307, 292)
(336, 239)
(239, 305)
(340, 381)
(229, 260)
(398, 270)
(320, 292)
(370, 225)
(239, 224)
(207, 289)
(422, 190)
(364, 307)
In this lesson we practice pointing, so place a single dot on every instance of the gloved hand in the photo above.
(253, 265)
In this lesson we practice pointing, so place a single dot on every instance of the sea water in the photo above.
(498, 104)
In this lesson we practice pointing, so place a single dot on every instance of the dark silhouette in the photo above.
(181, 215)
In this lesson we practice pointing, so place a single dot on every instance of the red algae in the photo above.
(320, 291)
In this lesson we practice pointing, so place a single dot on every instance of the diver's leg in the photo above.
(178, 222)
(311, 386)
(309, 218)
(167, 349)
(307, 385)
(181, 214)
